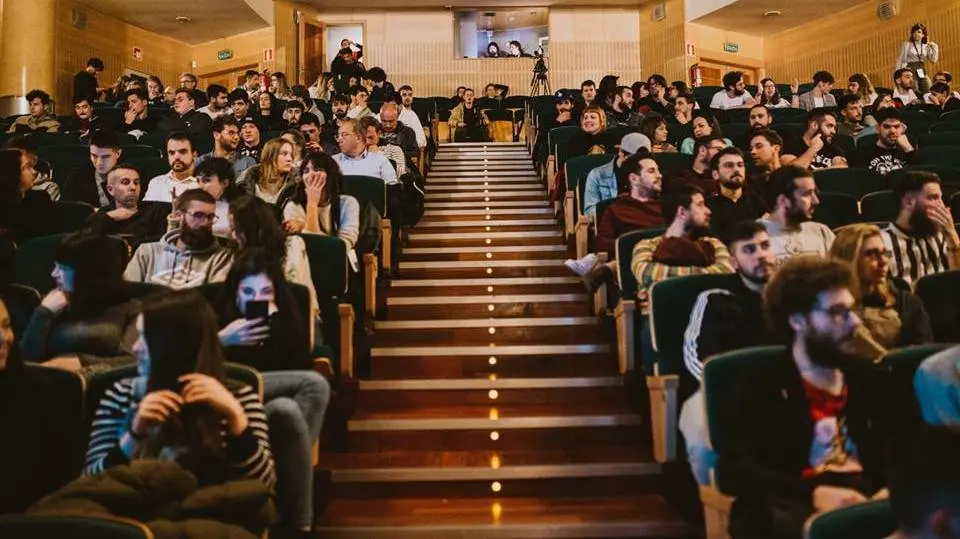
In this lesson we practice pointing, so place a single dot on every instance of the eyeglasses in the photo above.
(202, 216)
(839, 313)
(878, 253)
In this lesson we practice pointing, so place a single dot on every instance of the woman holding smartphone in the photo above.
(262, 329)
(915, 53)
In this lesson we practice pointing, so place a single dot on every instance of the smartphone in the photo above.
(256, 309)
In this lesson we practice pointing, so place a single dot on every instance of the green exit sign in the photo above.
(731, 47)
(225, 54)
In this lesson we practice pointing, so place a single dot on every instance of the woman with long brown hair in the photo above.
(181, 407)
(274, 178)
(892, 316)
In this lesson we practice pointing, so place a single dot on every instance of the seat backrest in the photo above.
(879, 206)
(902, 364)
(836, 209)
(21, 301)
(367, 189)
(328, 263)
(940, 293)
(558, 136)
(139, 151)
(580, 166)
(669, 162)
(855, 182)
(671, 301)
(868, 520)
(720, 375)
(99, 526)
(624, 254)
(948, 175)
(35, 258)
(936, 156)
(150, 167)
(63, 158)
(601, 207)
(70, 215)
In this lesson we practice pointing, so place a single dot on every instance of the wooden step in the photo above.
(647, 516)
(446, 287)
(482, 366)
(479, 310)
(487, 333)
(478, 175)
(395, 398)
(418, 239)
(541, 203)
(469, 213)
(533, 193)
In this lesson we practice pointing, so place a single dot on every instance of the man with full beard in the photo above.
(723, 320)
(792, 195)
(181, 157)
(815, 149)
(732, 203)
(187, 256)
(340, 106)
(923, 238)
(683, 248)
(807, 430)
(734, 94)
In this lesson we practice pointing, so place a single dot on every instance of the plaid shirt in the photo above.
(647, 271)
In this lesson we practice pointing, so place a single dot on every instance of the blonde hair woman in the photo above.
(274, 179)
(892, 316)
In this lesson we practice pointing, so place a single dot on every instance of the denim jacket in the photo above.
(601, 185)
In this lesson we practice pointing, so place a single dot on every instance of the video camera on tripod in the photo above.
(539, 83)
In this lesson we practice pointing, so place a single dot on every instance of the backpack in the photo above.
(370, 230)
(411, 198)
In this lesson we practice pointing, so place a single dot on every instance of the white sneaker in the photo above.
(582, 266)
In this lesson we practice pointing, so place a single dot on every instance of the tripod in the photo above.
(539, 84)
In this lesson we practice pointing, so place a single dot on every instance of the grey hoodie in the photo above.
(163, 263)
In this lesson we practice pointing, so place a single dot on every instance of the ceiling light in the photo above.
(184, 20)
(773, 13)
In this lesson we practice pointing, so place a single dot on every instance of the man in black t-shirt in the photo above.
(815, 149)
(892, 151)
(85, 82)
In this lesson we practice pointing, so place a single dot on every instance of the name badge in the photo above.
(920, 73)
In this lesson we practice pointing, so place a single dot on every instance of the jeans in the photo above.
(295, 402)
(693, 425)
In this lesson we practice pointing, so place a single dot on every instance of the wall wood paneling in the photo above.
(663, 43)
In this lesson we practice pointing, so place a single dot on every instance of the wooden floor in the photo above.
(494, 408)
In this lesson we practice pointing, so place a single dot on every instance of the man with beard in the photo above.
(656, 100)
(807, 431)
(734, 94)
(250, 144)
(340, 105)
(89, 183)
(638, 207)
(311, 128)
(181, 156)
(760, 120)
(904, 85)
(792, 195)
(604, 182)
(84, 121)
(700, 175)
(683, 248)
(814, 150)
(892, 151)
(187, 256)
(923, 238)
(820, 96)
(765, 148)
(125, 216)
(409, 117)
(622, 106)
(732, 203)
(851, 116)
(723, 320)
(226, 139)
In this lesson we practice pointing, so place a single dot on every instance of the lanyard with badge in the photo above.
(920, 55)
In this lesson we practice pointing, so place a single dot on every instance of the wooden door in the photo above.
(312, 53)
(713, 72)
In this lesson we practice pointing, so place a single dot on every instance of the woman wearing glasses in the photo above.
(892, 316)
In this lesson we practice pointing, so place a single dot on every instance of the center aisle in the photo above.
(494, 408)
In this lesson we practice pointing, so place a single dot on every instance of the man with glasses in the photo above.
(807, 430)
(181, 156)
(189, 255)
(355, 160)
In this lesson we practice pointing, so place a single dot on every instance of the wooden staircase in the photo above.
(494, 408)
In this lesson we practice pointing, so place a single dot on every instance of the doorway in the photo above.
(229, 78)
(312, 51)
(712, 72)
(336, 34)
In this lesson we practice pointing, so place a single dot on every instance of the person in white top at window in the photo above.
(914, 54)
(734, 95)
(181, 156)
(904, 85)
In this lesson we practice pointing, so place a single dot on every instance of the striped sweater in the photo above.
(248, 454)
(648, 271)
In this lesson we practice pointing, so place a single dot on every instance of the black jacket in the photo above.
(147, 225)
(767, 440)
(403, 137)
(195, 123)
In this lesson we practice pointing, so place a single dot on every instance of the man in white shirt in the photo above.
(181, 156)
(218, 104)
(734, 95)
(355, 160)
(408, 117)
(792, 193)
(903, 86)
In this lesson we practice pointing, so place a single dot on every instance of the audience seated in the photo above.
(682, 249)
(226, 139)
(602, 182)
(734, 94)
(40, 120)
(40, 459)
(683, 107)
(24, 211)
(923, 487)
(892, 150)
(395, 132)
(315, 139)
(638, 205)
(268, 114)
(408, 117)
(923, 238)
(372, 129)
(137, 222)
(181, 156)
(137, 119)
(700, 175)
(815, 149)
(820, 96)
(278, 346)
(941, 96)
(792, 199)
(938, 389)
(467, 122)
(851, 117)
(765, 149)
(89, 183)
(733, 203)
(723, 321)
(250, 142)
(860, 86)
(84, 121)
(216, 176)
(358, 106)
(187, 118)
(187, 256)
(892, 317)
(217, 102)
(85, 322)
(705, 124)
(27, 145)
(655, 129)
(769, 96)
(904, 84)
(355, 160)
(808, 432)
(273, 179)
(239, 100)
(180, 406)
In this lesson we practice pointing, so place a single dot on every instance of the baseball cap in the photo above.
(632, 142)
(562, 96)
(248, 120)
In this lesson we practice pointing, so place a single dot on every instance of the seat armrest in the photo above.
(346, 339)
(370, 274)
